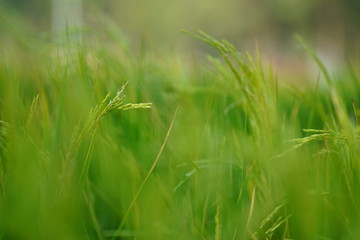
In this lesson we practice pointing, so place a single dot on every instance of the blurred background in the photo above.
(332, 27)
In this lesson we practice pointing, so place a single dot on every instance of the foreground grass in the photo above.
(222, 154)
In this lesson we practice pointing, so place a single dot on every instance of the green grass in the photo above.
(224, 152)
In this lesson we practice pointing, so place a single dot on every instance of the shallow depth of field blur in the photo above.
(206, 119)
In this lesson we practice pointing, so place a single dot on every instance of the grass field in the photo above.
(219, 152)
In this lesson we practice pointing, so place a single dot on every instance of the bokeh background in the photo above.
(330, 26)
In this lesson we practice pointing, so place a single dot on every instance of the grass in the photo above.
(223, 153)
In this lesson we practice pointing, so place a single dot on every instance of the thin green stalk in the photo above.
(93, 218)
(86, 166)
(126, 215)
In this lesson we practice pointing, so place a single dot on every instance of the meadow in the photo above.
(102, 141)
